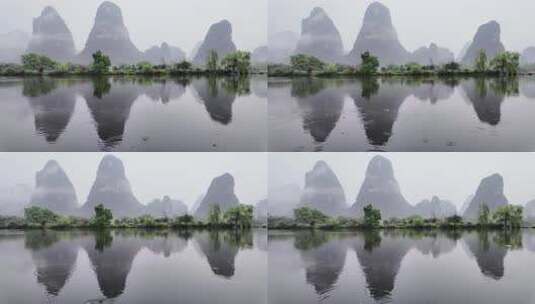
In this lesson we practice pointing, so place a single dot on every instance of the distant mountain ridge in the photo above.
(112, 189)
(378, 35)
(52, 37)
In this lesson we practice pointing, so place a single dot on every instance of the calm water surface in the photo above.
(401, 114)
(401, 267)
(133, 267)
(133, 114)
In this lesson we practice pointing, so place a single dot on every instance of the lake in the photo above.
(409, 267)
(133, 114)
(401, 114)
(133, 266)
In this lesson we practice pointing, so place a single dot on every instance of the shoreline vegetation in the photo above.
(236, 218)
(509, 217)
(234, 64)
(506, 64)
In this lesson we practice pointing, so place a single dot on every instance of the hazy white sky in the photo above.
(452, 176)
(182, 23)
(449, 23)
(152, 175)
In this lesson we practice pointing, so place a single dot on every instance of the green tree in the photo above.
(452, 66)
(183, 65)
(506, 63)
(484, 215)
(102, 218)
(481, 61)
(372, 216)
(454, 220)
(185, 219)
(36, 62)
(508, 216)
(214, 216)
(212, 61)
(369, 64)
(237, 62)
(309, 216)
(144, 67)
(40, 216)
(101, 63)
(240, 216)
(306, 63)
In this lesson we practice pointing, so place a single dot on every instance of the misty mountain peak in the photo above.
(219, 39)
(49, 12)
(112, 189)
(490, 192)
(435, 208)
(111, 166)
(323, 190)
(221, 193)
(54, 190)
(51, 167)
(318, 12)
(109, 12)
(320, 37)
(379, 37)
(380, 166)
(381, 190)
(51, 36)
(487, 38)
(110, 35)
(377, 14)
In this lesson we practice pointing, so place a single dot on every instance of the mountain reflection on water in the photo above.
(400, 266)
(401, 114)
(70, 264)
(133, 113)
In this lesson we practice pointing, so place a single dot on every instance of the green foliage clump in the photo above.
(484, 215)
(11, 222)
(212, 61)
(39, 216)
(237, 62)
(506, 63)
(369, 64)
(309, 216)
(240, 216)
(452, 66)
(508, 216)
(185, 220)
(144, 67)
(214, 215)
(306, 63)
(103, 217)
(101, 63)
(481, 62)
(39, 63)
(183, 65)
(372, 216)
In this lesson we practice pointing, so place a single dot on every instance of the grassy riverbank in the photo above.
(504, 64)
(503, 218)
(240, 217)
(237, 63)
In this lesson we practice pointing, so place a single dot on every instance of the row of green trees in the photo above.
(504, 64)
(236, 63)
(505, 217)
(239, 217)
